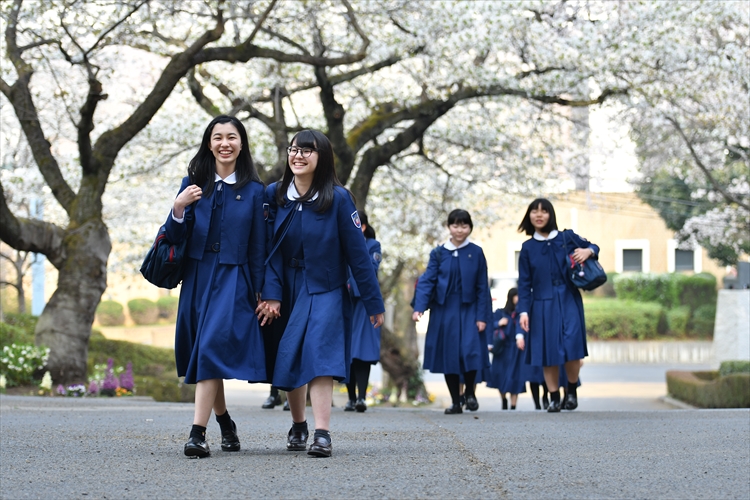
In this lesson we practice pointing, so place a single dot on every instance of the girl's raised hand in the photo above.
(190, 194)
(581, 254)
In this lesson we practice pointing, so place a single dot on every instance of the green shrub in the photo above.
(143, 311)
(110, 313)
(167, 307)
(25, 321)
(678, 320)
(17, 328)
(618, 319)
(166, 387)
(648, 287)
(20, 363)
(696, 291)
(730, 367)
(709, 390)
(703, 320)
(607, 289)
(142, 356)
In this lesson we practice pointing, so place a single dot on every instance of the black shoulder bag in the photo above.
(164, 265)
(586, 276)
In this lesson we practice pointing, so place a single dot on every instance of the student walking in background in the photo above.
(217, 335)
(455, 287)
(550, 306)
(365, 337)
(507, 362)
(316, 235)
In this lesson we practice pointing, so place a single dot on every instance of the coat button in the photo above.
(239, 197)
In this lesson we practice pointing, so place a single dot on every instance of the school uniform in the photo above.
(500, 343)
(365, 337)
(557, 330)
(307, 272)
(217, 333)
(513, 380)
(458, 278)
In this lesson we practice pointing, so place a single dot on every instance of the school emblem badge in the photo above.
(377, 257)
(355, 220)
(265, 211)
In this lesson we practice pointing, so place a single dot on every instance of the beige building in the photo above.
(630, 234)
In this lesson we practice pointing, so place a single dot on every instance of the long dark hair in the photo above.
(369, 231)
(324, 179)
(202, 168)
(509, 305)
(527, 227)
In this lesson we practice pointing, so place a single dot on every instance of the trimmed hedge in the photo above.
(702, 323)
(110, 313)
(17, 328)
(678, 320)
(168, 307)
(709, 389)
(647, 287)
(696, 291)
(730, 367)
(143, 311)
(625, 320)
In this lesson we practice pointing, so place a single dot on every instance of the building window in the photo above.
(683, 260)
(632, 260)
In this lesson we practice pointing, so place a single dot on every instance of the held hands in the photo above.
(267, 311)
(481, 325)
(581, 254)
(377, 320)
(523, 321)
(189, 195)
(502, 322)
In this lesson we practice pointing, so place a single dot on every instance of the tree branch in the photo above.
(727, 196)
(111, 28)
(86, 125)
(334, 114)
(31, 235)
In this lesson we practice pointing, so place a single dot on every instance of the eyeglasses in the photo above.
(306, 152)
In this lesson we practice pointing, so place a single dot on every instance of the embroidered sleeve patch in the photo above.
(377, 257)
(355, 219)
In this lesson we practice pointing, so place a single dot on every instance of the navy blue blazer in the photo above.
(242, 242)
(331, 241)
(373, 250)
(474, 280)
(534, 273)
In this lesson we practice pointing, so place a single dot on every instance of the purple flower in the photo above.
(61, 390)
(126, 379)
(93, 387)
(110, 380)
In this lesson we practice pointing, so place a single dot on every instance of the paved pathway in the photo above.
(131, 448)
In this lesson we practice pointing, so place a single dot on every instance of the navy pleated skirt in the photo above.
(365, 338)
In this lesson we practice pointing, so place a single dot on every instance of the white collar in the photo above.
(450, 246)
(539, 237)
(292, 194)
(229, 179)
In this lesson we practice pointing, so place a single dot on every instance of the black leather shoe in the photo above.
(271, 402)
(229, 439)
(571, 402)
(462, 400)
(296, 440)
(545, 402)
(197, 448)
(286, 405)
(554, 407)
(360, 405)
(471, 403)
(349, 406)
(321, 447)
(454, 410)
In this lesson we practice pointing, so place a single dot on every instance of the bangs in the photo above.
(544, 203)
(459, 216)
(304, 139)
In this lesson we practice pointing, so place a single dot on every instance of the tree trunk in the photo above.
(65, 323)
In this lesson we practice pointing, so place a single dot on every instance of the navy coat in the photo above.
(373, 250)
(331, 242)
(433, 284)
(243, 245)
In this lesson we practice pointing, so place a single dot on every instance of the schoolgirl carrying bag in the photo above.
(164, 265)
(586, 276)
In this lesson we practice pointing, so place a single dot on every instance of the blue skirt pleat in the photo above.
(365, 338)
(217, 333)
(556, 332)
(453, 343)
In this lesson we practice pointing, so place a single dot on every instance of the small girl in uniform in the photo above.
(459, 310)
(365, 338)
(316, 235)
(217, 335)
(511, 357)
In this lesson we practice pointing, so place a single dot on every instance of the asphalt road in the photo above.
(132, 448)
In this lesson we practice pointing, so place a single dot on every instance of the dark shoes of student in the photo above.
(505, 403)
(229, 439)
(545, 402)
(571, 402)
(554, 407)
(360, 406)
(297, 440)
(271, 402)
(454, 410)
(349, 406)
(462, 400)
(196, 448)
(286, 405)
(471, 403)
(321, 447)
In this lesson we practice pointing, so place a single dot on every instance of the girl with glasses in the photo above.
(316, 234)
